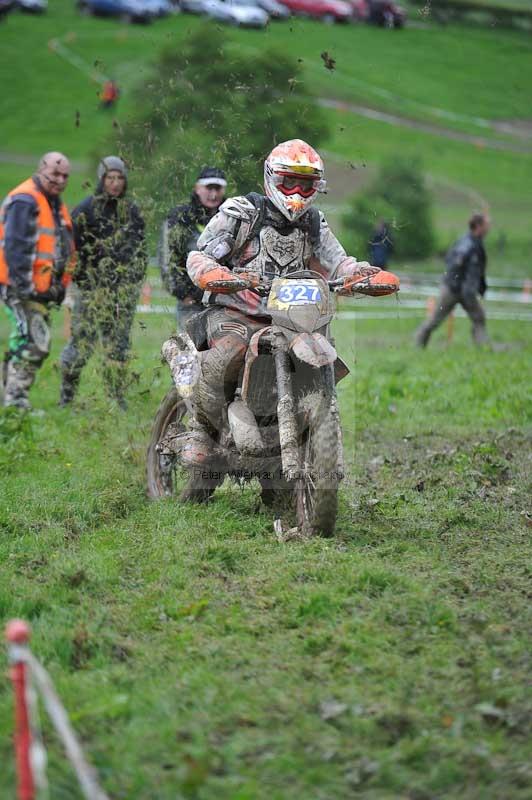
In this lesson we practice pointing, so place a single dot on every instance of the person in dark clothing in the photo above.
(36, 259)
(109, 234)
(180, 232)
(463, 281)
(381, 246)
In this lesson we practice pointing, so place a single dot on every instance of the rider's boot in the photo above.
(201, 453)
(199, 447)
(198, 455)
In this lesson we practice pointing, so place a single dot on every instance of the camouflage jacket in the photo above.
(179, 235)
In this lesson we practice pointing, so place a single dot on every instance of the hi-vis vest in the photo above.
(45, 239)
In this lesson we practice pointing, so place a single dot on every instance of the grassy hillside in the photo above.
(417, 73)
(201, 659)
(433, 67)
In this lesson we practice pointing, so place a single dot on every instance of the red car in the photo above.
(327, 10)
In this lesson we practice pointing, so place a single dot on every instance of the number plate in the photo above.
(285, 293)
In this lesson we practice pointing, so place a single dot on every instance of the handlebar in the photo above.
(235, 285)
(367, 285)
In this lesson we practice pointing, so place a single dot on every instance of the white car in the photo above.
(33, 6)
(160, 8)
(238, 12)
(274, 9)
(194, 6)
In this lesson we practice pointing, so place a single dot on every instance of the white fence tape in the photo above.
(59, 718)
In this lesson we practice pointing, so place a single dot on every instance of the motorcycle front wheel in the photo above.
(317, 489)
(170, 420)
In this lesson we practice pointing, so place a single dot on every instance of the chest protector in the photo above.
(269, 246)
(45, 239)
(273, 253)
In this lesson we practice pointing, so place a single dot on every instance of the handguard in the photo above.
(222, 281)
(377, 285)
(215, 274)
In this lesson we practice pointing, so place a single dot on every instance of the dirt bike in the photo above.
(283, 425)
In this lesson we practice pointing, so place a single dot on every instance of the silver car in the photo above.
(194, 6)
(238, 12)
(274, 9)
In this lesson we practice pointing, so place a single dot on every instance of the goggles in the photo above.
(290, 183)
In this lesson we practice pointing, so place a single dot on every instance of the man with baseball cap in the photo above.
(180, 233)
(109, 235)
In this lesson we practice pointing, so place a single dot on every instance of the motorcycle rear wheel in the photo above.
(160, 469)
(317, 489)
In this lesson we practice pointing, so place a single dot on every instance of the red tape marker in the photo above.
(17, 635)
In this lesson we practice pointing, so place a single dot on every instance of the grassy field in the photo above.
(201, 659)
(416, 73)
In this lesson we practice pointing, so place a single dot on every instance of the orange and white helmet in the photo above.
(293, 175)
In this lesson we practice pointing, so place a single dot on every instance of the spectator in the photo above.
(180, 234)
(109, 234)
(463, 281)
(381, 246)
(36, 258)
(109, 94)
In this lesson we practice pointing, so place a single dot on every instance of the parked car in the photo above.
(32, 6)
(194, 6)
(5, 7)
(127, 10)
(237, 12)
(161, 8)
(386, 14)
(326, 10)
(274, 9)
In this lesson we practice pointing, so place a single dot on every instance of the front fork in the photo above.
(288, 428)
(288, 433)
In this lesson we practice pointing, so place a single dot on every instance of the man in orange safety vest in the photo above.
(36, 261)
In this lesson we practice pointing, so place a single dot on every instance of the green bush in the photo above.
(400, 197)
(213, 105)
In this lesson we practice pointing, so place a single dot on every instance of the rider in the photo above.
(252, 237)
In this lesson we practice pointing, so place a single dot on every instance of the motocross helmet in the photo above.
(293, 175)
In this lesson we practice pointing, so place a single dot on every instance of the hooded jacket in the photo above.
(110, 238)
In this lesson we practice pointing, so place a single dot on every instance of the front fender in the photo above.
(313, 349)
